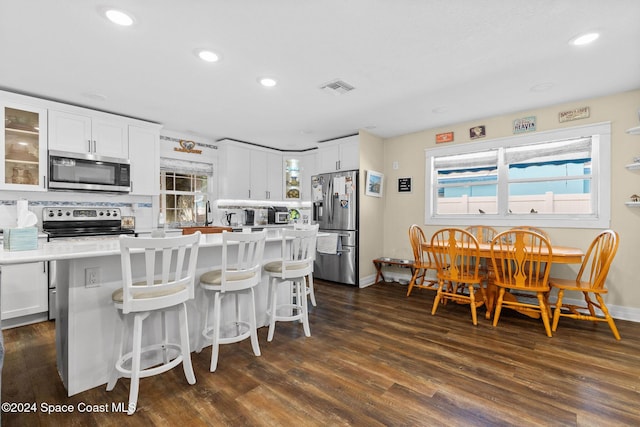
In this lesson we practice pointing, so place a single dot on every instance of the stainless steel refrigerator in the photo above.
(335, 208)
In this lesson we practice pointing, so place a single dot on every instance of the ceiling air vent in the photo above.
(337, 87)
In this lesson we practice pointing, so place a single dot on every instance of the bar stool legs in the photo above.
(134, 356)
(297, 307)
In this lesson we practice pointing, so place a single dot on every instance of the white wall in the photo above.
(371, 208)
(403, 209)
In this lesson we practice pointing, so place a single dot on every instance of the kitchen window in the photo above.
(558, 178)
(183, 191)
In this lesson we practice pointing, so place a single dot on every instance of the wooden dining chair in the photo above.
(520, 259)
(534, 229)
(423, 262)
(590, 279)
(482, 233)
(457, 255)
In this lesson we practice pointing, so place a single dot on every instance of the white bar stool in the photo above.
(295, 266)
(162, 289)
(233, 278)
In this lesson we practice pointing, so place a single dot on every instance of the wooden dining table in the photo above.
(559, 255)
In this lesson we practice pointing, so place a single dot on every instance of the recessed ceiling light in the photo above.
(267, 81)
(585, 39)
(207, 55)
(118, 17)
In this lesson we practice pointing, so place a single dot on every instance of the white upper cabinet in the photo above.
(274, 176)
(144, 154)
(250, 173)
(23, 157)
(90, 135)
(235, 180)
(339, 155)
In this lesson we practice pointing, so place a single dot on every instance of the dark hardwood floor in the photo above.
(375, 357)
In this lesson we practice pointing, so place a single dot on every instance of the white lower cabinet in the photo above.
(24, 290)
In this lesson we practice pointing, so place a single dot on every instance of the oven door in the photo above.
(69, 171)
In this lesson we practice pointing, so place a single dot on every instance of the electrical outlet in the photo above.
(92, 277)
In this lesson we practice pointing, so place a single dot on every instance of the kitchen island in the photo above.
(87, 321)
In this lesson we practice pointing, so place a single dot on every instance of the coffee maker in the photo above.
(249, 217)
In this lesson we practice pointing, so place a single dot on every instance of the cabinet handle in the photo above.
(44, 181)
(94, 146)
(249, 193)
(89, 149)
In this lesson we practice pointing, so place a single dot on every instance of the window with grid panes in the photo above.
(183, 197)
(559, 178)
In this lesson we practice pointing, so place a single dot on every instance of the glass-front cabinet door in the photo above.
(24, 148)
(292, 179)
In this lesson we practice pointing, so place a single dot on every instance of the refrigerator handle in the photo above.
(329, 200)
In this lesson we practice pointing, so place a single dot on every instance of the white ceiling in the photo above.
(415, 64)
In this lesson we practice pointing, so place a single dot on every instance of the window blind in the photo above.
(186, 166)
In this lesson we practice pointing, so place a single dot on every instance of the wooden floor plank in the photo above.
(375, 357)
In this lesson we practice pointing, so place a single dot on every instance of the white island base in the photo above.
(87, 322)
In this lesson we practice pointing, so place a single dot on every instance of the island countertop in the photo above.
(76, 249)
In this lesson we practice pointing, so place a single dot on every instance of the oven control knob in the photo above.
(51, 214)
(108, 213)
(115, 213)
(101, 213)
(67, 213)
(59, 213)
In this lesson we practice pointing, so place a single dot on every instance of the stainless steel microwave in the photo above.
(88, 172)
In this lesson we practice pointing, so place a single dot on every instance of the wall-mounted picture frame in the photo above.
(404, 185)
(444, 137)
(477, 132)
(373, 187)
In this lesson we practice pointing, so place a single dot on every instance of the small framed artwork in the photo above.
(477, 132)
(374, 183)
(444, 137)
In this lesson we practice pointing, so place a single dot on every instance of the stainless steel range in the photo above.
(82, 222)
(68, 223)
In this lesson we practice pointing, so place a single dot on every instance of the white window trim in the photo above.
(601, 172)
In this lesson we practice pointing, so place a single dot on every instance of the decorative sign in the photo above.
(187, 147)
(444, 137)
(578, 113)
(477, 132)
(404, 185)
(526, 124)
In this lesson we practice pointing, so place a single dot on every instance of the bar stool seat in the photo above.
(237, 279)
(136, 301)
(296, 267)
